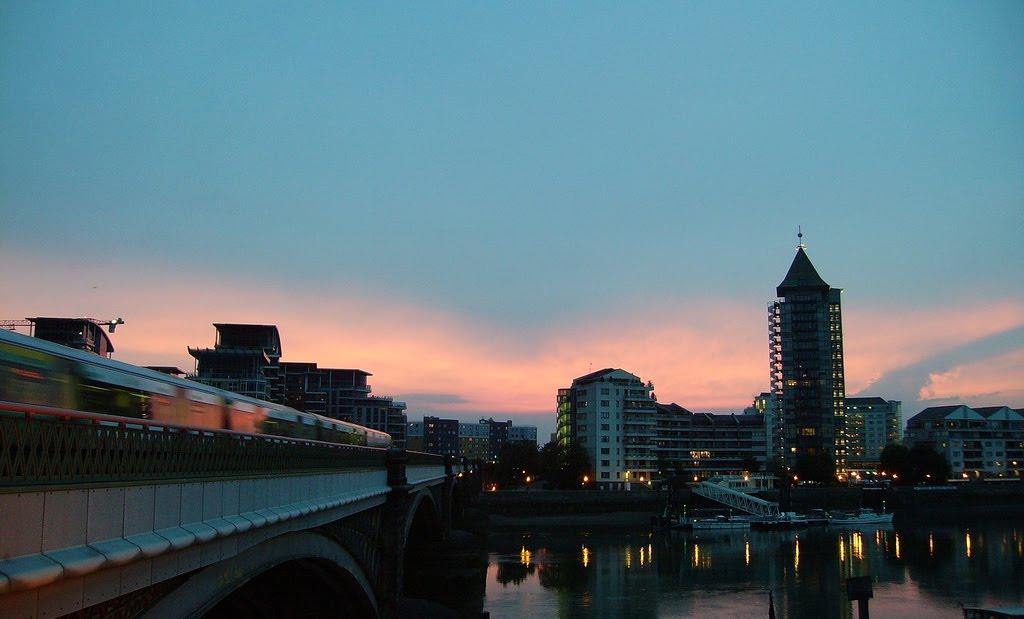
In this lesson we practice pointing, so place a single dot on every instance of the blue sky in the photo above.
(528, 187)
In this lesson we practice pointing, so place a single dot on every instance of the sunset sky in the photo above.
(479, 202)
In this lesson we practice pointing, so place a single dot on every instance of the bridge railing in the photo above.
(44, 446)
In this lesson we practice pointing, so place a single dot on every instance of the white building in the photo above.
(767, 406)
(611, 414)
(977, 442)
(871, 424)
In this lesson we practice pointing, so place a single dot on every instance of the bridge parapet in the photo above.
(118, 521)
(45, 446)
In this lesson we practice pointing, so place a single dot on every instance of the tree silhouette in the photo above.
(920, 464)
(563, 466)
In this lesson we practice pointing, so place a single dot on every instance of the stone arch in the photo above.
(423, 520)
(456, 500)
(284, 564)
(423, 537)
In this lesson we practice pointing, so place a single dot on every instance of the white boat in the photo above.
(861, 516)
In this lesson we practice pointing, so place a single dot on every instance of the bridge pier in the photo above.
(393, 522)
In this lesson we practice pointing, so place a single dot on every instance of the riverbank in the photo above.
(607, 520)
(593, 509)
(561, 509)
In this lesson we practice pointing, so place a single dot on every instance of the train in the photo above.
(36, 372)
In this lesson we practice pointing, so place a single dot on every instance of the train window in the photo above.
(113, 400)
(33, 377)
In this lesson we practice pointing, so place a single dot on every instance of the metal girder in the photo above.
(736, 499)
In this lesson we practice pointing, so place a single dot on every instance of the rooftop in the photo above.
(801, 276)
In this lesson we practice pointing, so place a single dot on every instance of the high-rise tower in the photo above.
(806, 332)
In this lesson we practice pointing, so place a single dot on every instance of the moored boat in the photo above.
(720, 522)
(785, 520)
(861, 516)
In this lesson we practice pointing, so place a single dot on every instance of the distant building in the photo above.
(499, 435)
(502, 432)
(475, 441)
(245, 360)
(441, 436)
(523, 434)
(383, 413)
(977, 442)
(611, 414)
(81, 333)
(871, 424)
(806, 350)
(629, 437)
(342, 394)
(767, 406)
(701, 445)
(414, 436)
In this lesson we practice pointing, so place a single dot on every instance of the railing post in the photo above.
(392, 542)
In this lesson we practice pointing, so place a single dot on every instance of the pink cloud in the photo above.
(705, 355)
(413, 348)
(990, 382)
(879, 340)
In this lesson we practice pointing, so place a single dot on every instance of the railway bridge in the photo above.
(105, 516)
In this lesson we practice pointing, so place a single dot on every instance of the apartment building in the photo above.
(977, 442)
(611, 414)
(871, 424)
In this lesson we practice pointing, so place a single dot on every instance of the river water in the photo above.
(917, 568)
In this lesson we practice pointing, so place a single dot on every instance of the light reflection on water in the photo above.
(917, 569)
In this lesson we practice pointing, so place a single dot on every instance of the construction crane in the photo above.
(111, 324)
(11, 325)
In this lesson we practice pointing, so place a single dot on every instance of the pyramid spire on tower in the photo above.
(802, 275)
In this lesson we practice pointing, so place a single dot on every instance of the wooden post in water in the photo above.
(859, 588)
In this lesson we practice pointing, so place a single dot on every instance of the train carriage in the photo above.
(32, 376)
(244, 416)
(38, 372)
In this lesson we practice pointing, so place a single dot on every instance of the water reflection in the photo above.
(796, 553)
(915, 568)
